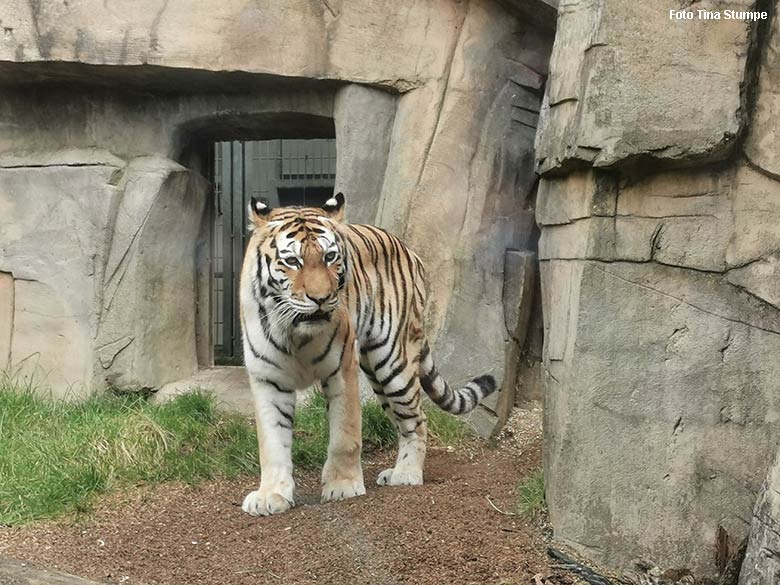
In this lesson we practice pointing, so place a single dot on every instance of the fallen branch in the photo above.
(497, 509)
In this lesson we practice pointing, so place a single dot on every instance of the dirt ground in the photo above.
(443, 532)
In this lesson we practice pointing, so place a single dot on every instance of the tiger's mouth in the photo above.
(311, 317)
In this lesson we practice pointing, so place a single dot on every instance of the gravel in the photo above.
(442, 532)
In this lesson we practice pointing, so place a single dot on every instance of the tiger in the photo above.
(320, 298)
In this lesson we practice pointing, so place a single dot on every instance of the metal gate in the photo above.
(283, 172)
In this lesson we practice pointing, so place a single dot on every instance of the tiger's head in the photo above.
(301, 261)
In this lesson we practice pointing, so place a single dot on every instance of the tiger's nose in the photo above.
(319, 300)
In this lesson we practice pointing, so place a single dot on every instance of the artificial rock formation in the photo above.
(761, 565)
(614, 96)
(86, 257)
(661, 306)
(433, 106)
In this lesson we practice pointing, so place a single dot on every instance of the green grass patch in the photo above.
(310, 444)
(531, 502)
(446, 429)
(56, 456)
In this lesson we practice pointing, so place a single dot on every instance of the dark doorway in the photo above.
(283, 172)
(313, 196)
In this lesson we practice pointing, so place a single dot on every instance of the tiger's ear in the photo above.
(334, 207)
(258, 212)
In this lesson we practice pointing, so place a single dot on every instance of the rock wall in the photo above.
(762, 556)
(52, 288)
(462, 191)
(434, 107)
(88, 298)
(399, 45)
(147, 330)
(659, 209)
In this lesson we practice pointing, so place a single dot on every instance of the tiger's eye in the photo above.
(291, 262)
(330, 257)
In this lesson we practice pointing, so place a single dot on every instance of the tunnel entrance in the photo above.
(282, 172)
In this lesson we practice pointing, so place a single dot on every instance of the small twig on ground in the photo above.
(497, 509)
(256, 570)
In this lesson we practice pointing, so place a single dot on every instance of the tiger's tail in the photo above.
(453, 401)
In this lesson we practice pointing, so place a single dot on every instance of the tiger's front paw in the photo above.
(264, 503)
(395, 476)
(341, 489)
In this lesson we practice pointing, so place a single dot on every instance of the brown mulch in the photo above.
(443, 532)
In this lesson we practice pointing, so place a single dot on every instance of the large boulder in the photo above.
(148, 314)
(55, 216)
(97, 255)
(661, 323)
(629, 82)
(658, 266)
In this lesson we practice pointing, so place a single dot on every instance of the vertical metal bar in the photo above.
(334, 157)
(227, 248)
(244, 197)
(235, 202)
(206, 304)
(241, 243)
(215, 250)
(318, 158)
(236, 198)
(281, 159)
(219, 250)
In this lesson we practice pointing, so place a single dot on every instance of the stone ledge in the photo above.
(299, 39)
(13, 572)
(74, 157)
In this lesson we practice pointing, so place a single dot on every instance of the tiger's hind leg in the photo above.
(412, 438)
(399, 393)
(376, 387)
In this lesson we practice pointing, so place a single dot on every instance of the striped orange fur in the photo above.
(319, 299)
